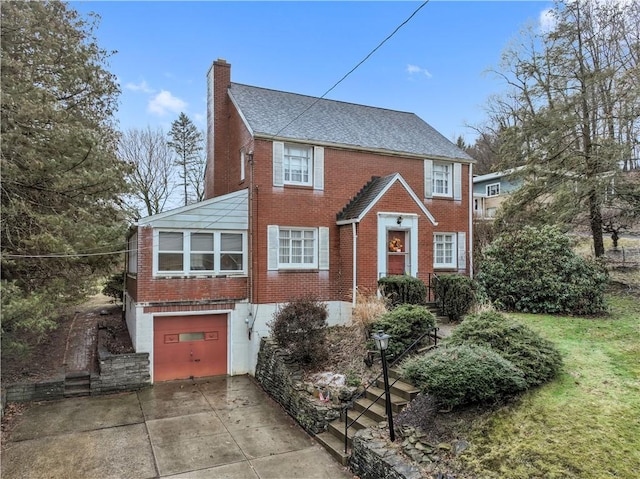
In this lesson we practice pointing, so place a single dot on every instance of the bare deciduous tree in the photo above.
(152, 167)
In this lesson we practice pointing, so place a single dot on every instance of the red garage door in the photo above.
(189, 346)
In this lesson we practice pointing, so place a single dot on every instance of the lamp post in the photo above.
(382, 343)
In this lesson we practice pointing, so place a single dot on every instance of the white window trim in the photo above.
(242, 160)
(489, 194)
(454, 250)
(310, 167)
(316, 166)
(321, 249)
(186, 252)
(314, 264)
(449, 192)
(132, 254)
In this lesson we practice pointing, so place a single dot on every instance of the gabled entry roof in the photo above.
(369, 195)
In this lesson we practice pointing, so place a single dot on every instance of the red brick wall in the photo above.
(150, 289)
(346, 172)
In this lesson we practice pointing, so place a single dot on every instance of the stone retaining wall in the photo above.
(372, 458)
(39, 391)
(119, 372)
(282, 380)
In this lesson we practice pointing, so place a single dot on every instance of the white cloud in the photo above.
(164, 102)
(416, 70)
(547, 20)
(200, 118)
(142, 86)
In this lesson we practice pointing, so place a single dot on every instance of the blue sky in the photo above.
(435, 65)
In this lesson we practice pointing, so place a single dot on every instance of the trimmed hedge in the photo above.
(535, 356)
(465, 374)
(403, 289)
(456, 294)
(405, 324)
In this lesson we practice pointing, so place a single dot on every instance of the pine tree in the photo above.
(186, 141)
(61, 179)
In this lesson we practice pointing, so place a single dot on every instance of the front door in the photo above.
(398, 258)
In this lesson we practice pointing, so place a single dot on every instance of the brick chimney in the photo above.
(218, 81)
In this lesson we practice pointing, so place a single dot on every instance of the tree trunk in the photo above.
(595, 216)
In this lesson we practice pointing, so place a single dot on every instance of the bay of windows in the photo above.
(188, 252)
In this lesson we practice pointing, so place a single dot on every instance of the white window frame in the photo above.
(132, 254)
(493, 189)
(445, 176)
(314, 248)
(242, 160)
(440, 239)
(186, 253)
(286, 164)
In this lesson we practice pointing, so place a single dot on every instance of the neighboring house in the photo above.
(490, 190)
(304, 196)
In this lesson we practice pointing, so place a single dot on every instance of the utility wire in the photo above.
(344, 77)
(354, 68)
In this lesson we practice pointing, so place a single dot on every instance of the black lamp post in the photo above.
(382, 342)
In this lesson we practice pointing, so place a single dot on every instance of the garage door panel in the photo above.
(190, 346)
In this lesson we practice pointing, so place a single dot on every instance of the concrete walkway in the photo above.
(216, 428)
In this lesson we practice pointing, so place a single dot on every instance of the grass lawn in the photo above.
(586, 423)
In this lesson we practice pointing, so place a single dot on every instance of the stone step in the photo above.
(77, 384)
(334, 446)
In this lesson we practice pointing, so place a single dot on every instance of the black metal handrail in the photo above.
(348, 424)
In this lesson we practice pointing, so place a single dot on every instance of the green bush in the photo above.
(403, 289)
(405, 324)
(536, 357)
(114, 287)
(300, 328)
(535, 271)
(465, 374)
(456, 295)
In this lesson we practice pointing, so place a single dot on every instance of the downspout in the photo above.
(355, 262)
(471, 220)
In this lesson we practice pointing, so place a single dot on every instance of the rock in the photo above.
(444, 446)
(460, 446)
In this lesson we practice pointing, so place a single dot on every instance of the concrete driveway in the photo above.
(216, 428)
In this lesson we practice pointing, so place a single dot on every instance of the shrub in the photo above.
(534, 355)
(405, 324)
(465, 374)
(403, 289)
(300, 327)
(535, 271)
(456, 294)
(114, 287)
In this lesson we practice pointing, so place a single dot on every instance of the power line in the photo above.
(354, 68)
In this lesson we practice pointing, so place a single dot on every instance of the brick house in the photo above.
(303, 196)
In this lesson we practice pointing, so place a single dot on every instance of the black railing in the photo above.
(347, 424)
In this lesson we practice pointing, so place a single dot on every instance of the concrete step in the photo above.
(336, 429)
(334, 446)
(77, 384)
(376, 394)
(400, 388)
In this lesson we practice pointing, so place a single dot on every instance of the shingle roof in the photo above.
(275, 113)
(365, 196)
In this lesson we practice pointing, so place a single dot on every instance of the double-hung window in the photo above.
(442, 179)
(297, 248)
(493, 189)
(192, 253)
(298, 164)
(444, 250)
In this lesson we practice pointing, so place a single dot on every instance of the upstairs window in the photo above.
(442, 180)
(170, 251)
(297, 164)
(201, 250)
(493, 189)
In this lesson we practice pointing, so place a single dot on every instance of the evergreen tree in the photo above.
(61, 179)
(186, 141)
